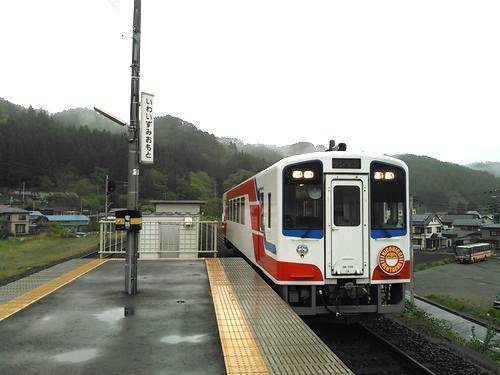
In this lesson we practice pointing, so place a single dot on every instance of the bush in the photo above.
(58, 230)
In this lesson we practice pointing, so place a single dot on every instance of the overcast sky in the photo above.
(390, 77)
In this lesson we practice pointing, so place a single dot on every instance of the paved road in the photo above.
(477, 282)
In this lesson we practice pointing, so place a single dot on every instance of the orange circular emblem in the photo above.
(391, 260)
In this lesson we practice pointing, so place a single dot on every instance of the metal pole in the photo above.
(133, 160)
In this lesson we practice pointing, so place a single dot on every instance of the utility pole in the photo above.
(133, 158)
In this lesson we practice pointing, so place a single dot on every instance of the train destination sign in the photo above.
(147, 128)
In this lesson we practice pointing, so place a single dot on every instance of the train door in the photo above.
(346, 220)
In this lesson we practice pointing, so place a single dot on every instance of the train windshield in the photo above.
(388, 200)
(303, 200)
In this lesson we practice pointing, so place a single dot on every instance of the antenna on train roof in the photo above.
(339, 147)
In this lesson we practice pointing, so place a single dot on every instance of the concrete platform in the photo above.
(91, 327)
(213, 316)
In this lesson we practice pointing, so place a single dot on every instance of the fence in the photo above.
(163, 238)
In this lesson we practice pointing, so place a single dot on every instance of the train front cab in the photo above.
(362, 222)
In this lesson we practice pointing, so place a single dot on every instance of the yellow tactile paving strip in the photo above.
(241, 352)
(19, 303)
(287, 344)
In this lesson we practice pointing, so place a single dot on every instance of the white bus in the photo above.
(473, 252)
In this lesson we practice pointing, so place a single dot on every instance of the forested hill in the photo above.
(56, 153)
(47, 154)
(440, 186)
(271, 152)
(79, 117)
(487, 166)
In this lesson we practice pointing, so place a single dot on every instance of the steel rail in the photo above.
(401, 353)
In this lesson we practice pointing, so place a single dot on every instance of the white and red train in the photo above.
(329, 229)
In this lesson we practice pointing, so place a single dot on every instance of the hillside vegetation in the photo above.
(487, 166)
(53, 153)
(70, 152)
(440, 186)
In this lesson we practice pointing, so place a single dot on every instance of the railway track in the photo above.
(365, 352)
(383, 346)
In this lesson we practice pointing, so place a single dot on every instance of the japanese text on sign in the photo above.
(147, 128)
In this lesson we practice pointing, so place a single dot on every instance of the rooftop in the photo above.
(12, 210)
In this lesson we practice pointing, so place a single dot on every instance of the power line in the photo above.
(114, 6)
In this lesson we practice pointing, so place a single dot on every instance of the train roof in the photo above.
(338, 154)
(327, 155)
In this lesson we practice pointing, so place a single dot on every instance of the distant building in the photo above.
(491, 233)
(14, 221)
(427, 232)
(38, 220)
(178, 208)
(172, 230)
(464, 231)
(74, 221)
(448, 220)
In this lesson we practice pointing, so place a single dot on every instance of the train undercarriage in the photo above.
(344, 298)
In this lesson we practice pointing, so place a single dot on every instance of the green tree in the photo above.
(153, 184)
(201, 185)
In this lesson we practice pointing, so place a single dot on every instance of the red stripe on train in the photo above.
(378, 274)
(281, 271)
(284, 271)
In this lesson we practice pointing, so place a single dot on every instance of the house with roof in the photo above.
(463, 231)
(448, 219)
(491, 233)
(38, 220)
(427, 230)
(14, 221)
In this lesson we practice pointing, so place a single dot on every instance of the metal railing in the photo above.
(111, 241)
(163, 239)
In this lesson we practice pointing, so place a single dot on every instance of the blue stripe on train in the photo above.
(388, 233)
(304, 233)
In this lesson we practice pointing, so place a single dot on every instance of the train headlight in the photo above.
(297, 174)
(308, 174)
(302, 250)
(384, 175)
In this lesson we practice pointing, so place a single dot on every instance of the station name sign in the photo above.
(147, 129)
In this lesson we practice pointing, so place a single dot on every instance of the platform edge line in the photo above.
(220, 288)
(21, 302)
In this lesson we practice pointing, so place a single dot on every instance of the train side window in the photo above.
(261, 206)
(242, 210)
(269, 210)
(346, 210)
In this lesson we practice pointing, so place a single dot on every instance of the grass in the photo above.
(19, 255)
(467, 307)
(441, 327)
(437, 263)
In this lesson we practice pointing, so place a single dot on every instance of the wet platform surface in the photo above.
(213, 316)
(91, 327)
